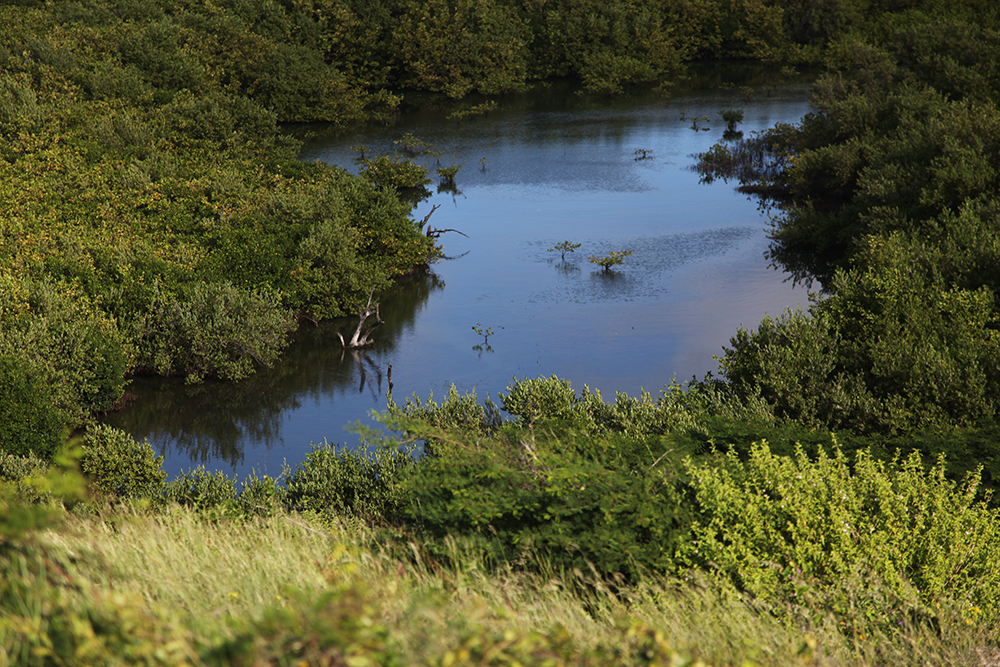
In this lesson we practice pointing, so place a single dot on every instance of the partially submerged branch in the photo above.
(435, 233)
(360, 339)
(428, 216)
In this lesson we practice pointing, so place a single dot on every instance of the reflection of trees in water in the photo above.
(370, 373)
(759, 164)
(207, 421)
(215, 420)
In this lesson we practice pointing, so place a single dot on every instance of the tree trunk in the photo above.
(364, 312)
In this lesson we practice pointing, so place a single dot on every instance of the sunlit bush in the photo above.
(811, 531)
(120, 467)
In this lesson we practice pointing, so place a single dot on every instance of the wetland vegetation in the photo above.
(825, 499)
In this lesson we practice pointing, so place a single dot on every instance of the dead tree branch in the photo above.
(364, 312)
(434, 233)
(428, 216)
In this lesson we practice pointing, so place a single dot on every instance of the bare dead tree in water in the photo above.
(435, 233)
(360, 339)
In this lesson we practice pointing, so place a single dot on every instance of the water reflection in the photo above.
(544, 168)
(219, 421)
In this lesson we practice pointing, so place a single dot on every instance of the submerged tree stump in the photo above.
(364, 312)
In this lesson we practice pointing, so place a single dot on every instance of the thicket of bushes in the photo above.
(145, 169)
(888, 196)
(875, 540)
(156, 219)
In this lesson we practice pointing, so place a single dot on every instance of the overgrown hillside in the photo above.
(826, 500)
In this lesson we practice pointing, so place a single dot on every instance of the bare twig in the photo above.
(428, 216)
(434, 233)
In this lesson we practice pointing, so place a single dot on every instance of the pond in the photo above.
(544, 167)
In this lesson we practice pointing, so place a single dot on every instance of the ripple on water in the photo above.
(646, 272)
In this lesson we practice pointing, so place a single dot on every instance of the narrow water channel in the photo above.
(545, 167)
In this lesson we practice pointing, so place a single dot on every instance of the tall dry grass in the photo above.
(219, 579)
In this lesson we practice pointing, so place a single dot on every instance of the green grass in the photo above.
(176, 587)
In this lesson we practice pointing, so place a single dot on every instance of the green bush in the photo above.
(352, 482)
(780, 527)
(107, 81)
(552, 400)
(34, 494)
(403, 176)
(29, 423)
(224, 120)
(531, 400)
(792, 363)
(17, 474)
(222, 331)
(893, 349)
(72, 347)
(552, 495)
(458, 46)
(19, 108)
(202, 490)
(119, 466)
(456, 411)
(158, 51)
(260, 496)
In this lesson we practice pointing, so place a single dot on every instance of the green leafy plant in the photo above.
(485, 333)
(697, 119)
(564, 247)
(221, 331)
(448, 174)
(203, 490)
(335, 479)
(388, 172)
(732, 117)
(118, 466)
(29, 422)
(614, 258)
(478, 110)
(783, 528)
(411, 146)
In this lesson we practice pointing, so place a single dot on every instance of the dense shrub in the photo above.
(894, 349)
(17, 474)
(19, 108)
(34, 494)
(455, 411)
(202, 490)
(71, 347)
(388, 172)
(260, 496)
(780, 526)
(29, 423)
(118, 466)
(225, 120)
(458, 46)
(352, 482)
(551, 493)
(221, 331)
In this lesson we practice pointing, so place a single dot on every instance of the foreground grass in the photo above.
(126, 588)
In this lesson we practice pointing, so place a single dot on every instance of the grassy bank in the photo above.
(128, 588)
